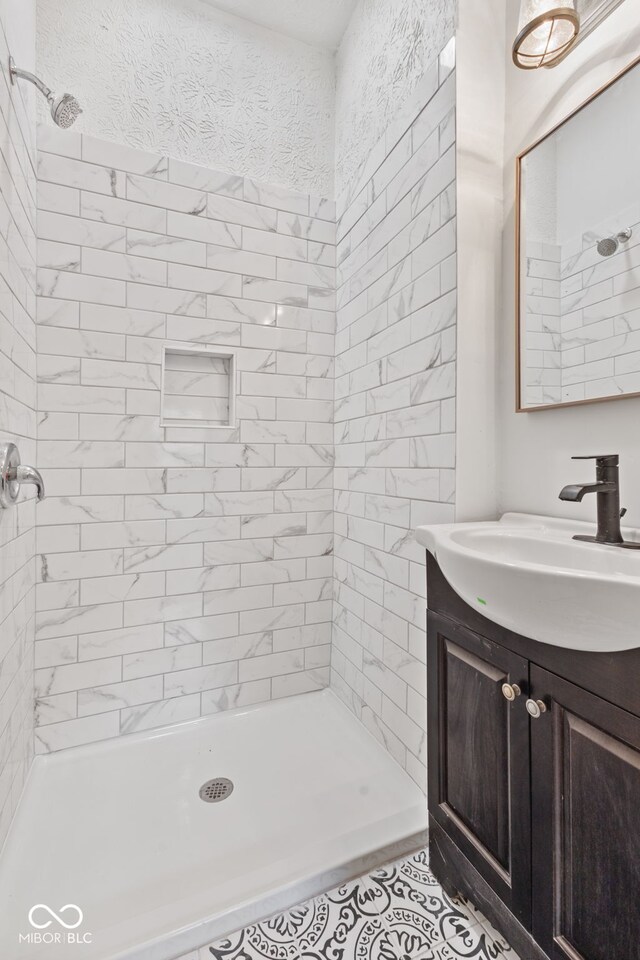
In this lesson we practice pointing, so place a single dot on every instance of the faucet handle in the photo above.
(13, 474)
(607, 459)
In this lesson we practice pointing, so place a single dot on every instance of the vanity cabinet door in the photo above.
(586, 824)
(479, 781)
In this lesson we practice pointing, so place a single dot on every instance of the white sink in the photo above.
(526, 573)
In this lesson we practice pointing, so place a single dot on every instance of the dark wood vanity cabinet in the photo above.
(534, 819)
(585, 832)
(479, 757)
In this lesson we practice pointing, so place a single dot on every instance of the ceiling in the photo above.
(321, 22)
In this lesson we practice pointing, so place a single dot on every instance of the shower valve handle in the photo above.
(13, 474)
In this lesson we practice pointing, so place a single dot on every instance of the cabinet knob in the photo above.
(510, 691)
(535, 708)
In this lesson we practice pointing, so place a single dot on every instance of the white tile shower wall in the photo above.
(542, 339)
(600, 311)
(17, 417)
(395, 414)
(180, 571)
(583, 316)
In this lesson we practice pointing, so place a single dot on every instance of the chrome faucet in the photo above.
(607, 489)
(13, 474)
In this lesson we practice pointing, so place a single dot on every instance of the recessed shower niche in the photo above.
(198, 387)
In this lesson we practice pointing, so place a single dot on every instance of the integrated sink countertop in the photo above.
(528, 574)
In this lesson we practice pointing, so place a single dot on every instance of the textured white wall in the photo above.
(384, 53)
(540, 192)
(179, 77)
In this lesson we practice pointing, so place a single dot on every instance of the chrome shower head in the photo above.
(609, 246)
(65, 109)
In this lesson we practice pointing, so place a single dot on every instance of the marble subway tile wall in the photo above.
(600, 309)
(17, 424)
(543, 305)
(395, 412)
(181, 571)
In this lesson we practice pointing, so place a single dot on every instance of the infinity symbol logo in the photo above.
(55, 916)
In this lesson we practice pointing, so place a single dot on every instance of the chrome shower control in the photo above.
(510, 691)
(535, 708)
(13, 474)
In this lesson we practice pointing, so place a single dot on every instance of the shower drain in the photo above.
(213, 791)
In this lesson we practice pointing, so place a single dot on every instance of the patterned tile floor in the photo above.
(397, 913)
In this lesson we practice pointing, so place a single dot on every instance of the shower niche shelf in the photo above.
(198, 387)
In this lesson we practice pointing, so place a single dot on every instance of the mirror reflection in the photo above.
(579, 254)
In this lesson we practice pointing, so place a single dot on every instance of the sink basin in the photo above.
(526, 573)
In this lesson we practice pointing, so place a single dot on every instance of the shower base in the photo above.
(120, 830)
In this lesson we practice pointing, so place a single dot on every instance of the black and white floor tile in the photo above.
(397, 913)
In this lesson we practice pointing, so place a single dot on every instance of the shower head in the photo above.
(65, 109)
(609, 246)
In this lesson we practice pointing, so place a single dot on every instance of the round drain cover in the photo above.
(213, 791)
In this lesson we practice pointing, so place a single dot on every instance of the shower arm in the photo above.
(17, 73)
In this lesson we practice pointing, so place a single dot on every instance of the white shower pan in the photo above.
(119, 831)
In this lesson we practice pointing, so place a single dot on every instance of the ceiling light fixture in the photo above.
(546, 32)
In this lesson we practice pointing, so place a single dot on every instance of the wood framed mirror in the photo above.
(578, 254)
